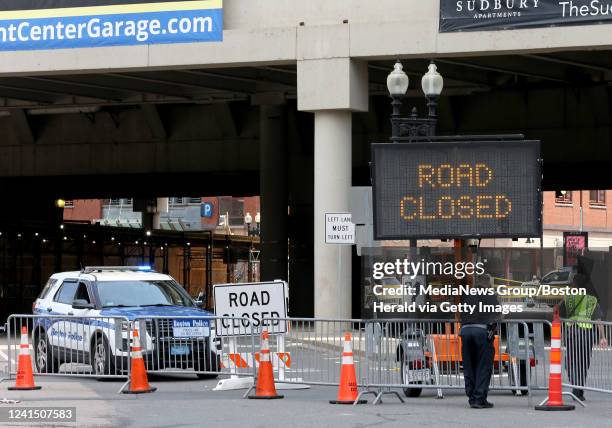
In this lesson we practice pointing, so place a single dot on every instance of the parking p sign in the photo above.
(253, 305)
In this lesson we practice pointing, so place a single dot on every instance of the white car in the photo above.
(86, 318)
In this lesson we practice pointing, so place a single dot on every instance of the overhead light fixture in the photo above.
(63, 110)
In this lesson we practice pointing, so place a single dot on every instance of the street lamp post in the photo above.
(408, 128)
(248, 220)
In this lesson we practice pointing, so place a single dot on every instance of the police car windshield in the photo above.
(142, 293)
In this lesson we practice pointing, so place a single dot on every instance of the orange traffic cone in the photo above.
(347, 390)
(555, 390)
(138, 377)
(265, 389)
(25, 378)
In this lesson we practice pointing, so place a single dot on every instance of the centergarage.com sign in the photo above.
(60, 24)
(471, 15)
(251, 306)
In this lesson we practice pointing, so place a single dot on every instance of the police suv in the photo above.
(92, 313)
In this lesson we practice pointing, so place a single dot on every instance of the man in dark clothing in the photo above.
(477, 337)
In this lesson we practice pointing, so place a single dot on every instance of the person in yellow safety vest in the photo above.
(580, 333)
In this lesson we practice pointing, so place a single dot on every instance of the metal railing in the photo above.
(587, 362)
(409, 355)
(312, 349)
(4, 358)
(84, 346)
(206, 346)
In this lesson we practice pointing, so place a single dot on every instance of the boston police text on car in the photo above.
(86, 308)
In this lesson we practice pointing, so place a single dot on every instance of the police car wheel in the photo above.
(43, 356)
(102, 361)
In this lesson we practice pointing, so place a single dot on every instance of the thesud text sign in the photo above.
(472, 15)
(437, 190)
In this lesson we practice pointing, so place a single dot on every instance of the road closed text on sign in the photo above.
(257, 305)
(456, 189)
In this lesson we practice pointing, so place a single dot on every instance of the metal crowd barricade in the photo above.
(309, 351)
(206, 346)
(419, 354)
(539, 340)
(399, 354)
(587, 364)
(69, 345)
(3, 355)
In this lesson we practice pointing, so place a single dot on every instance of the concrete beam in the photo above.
(332, 84)
(156, 125)
(270, 32)
(225, 119)
(21, 127)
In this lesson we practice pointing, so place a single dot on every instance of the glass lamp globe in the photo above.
(397, 80)
(432, 82)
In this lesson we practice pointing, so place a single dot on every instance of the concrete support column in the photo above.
(273, 190)
(332, 188)
(331, 85)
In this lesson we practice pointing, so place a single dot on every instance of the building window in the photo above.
(177, 200)
(195, 200)
(69, 203)
(234, 208)
(597, 198)
(115, 202)
(563, 197)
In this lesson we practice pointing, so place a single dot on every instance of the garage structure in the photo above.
(286, 106)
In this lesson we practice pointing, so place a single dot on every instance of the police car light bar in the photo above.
(117, 268)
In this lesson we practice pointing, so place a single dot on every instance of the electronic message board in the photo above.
(457, 189)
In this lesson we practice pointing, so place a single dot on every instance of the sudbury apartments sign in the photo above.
(474, 15)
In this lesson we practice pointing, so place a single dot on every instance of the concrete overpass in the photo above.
(286, 106)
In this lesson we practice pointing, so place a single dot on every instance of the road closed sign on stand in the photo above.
(256, 305)
(339, 228)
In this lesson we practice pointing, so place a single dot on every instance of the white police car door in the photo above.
(62, 305)
(80, 329)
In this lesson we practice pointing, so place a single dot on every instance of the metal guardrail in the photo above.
(389, 355)
(314, 347)
(83, 346)
(587, 355)
(3, 355)
(206, 346)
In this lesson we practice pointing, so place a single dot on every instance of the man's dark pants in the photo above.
(477, 353)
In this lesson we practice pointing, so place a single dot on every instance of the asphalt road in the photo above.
(186, 402)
